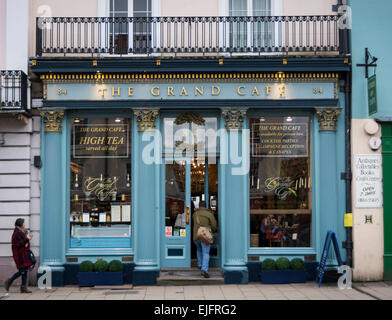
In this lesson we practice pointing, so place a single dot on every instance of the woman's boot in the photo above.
(23, 289)
(7, 284)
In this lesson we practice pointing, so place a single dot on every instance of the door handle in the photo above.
(187, 214)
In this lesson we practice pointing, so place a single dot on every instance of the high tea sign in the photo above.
(368, 181)
(100, 141)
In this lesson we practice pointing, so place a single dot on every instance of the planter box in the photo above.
(283, 276)
(90, 279)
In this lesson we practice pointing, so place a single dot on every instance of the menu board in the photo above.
(280, 140)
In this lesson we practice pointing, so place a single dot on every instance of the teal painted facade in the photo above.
(370, 29)
(148, 246)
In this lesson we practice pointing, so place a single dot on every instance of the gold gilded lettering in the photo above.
(183, 91)
(268, 90)
(116, 91)
(155, 91)
(130, 92)
(282, 91)
(102, 91)
(255, 91)
(200, 91)
(215, 90)
(170, 91)
(83, 140)
(239, 91)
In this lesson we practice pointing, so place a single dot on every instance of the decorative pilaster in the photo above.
(234, 117)
(146, 118)
(328, 118)
(52, 120)
(328, 173)
(145, 179)
(53, 186)
(234, 199)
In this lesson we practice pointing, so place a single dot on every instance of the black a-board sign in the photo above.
(331, 237)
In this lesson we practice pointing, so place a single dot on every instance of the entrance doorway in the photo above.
(189, 175)
(187, 183)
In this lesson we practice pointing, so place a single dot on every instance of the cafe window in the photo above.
(100, 177)
(280, 182)
(191, 134)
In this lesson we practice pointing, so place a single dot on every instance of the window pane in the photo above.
(100, 182)
(261, 7)
(187, 137)
(121, 5)
(238, 8)
(141, 5)
(280, 182)
(175, 199)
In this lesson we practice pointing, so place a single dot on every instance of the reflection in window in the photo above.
(100, 179)
(175, 218)
(190, 137)
(280, 182)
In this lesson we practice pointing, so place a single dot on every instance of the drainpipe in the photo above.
(348, 244)
(345, 49)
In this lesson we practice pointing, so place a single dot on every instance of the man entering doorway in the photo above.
(203, 217)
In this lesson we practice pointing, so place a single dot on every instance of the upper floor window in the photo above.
(132, 37)
(245, 34)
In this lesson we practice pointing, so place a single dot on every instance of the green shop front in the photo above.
(128, 156)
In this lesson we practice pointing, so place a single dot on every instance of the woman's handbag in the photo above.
(204, 233)
(32, 259)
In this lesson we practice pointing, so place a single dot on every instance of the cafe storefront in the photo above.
(127, 158)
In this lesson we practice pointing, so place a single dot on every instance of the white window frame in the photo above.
(156, 9)
(224, 6)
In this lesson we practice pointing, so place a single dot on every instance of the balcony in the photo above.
(189, 36)
(13, 91)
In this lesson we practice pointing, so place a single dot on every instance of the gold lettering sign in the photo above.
(100, 141)
(280, 140)
(102, 188)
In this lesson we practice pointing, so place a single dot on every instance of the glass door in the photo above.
(177, 215)
(189, 175)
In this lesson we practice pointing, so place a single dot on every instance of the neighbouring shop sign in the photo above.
(100, 141)
(368, 181)
(372, 95)
(191, 90)
(280, 140)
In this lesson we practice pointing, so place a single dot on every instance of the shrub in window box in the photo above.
(100, 274)
(275, 272)
(298, 272)
(283, 271)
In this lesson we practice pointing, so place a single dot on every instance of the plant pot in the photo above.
(275, 276)
(90, 279)
(298, 276)
(283, 276)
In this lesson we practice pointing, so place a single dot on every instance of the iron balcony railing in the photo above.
(188, 35)
(13, 91)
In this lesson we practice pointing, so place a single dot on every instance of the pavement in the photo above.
(251, 291)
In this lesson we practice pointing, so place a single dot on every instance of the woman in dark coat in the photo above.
(20, 252)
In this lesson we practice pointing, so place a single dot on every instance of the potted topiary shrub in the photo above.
(275, 272)
(298, 273)
(283, 271)
(100, 273)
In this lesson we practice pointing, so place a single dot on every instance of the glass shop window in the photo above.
(190, 134)
(280, 182)
(100, 177)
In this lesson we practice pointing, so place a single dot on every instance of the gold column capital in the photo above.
(146, 118)
(52, 120)
(328, 118)
(234, 117)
